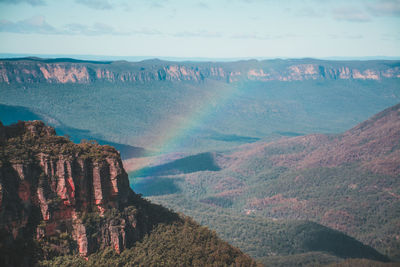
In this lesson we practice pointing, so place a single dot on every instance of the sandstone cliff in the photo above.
(32, 70)
(52, 190)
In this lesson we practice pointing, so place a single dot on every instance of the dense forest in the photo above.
(206, 116)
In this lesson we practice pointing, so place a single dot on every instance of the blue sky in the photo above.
(214, 29)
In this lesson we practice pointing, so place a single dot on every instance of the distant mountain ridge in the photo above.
(65, 70)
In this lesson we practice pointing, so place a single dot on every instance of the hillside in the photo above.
(373, 143)
(60, 202)
(348, 182)
(195, 107)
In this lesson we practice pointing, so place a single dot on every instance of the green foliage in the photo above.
(59, 244)
(183, 243)
(271, 241)
(67, 261)
(23, 147)
(348, 198)
(300, 260)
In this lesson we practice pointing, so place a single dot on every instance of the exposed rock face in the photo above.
(74, 71)
(50, 186)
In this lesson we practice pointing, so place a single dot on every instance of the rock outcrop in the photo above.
(32, 70)
(52, 189)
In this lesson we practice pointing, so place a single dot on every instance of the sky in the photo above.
(202, 28)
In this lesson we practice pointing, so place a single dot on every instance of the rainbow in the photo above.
(176, 130)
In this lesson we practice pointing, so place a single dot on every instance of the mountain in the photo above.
(66, 70)
(193, 107)
(61, 201)
(373, 143)
(348, 182)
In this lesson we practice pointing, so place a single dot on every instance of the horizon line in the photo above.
(176, 58)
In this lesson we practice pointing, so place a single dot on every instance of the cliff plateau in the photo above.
(59, 198)
(62, 182)
(35, 70)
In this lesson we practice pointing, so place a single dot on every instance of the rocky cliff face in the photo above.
(73, 71)
(52, 189)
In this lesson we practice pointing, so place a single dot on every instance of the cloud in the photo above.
(146, 32)
(251, 36)
(384, 8)
(38, 25)
(258, 36)
(368, 10)
(156, 3)
(350, 14)
(95, 29)
(346, 36)
(35, 24)
(199, 33)
(202, 5)
(31, 2)
(308, 11)
(354, 36)
(344, 10)
(103, 29)
(96, 4)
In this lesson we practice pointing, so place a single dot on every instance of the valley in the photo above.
(348, 182)
(284, 159)
(195, 107)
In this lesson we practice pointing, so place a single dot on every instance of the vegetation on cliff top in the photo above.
(24, 141)
(181, 243)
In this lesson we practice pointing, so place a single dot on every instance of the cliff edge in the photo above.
(63, 202)
(52, 189)
(60, 71)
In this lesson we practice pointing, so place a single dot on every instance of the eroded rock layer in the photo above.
(52, 189)
(33, 70)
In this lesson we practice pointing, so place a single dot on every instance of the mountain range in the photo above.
(37, 70)
(258, 151)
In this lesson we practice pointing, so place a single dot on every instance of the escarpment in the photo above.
(59, 197)
(32, 70)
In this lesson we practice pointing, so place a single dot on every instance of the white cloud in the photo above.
(95, 4)
(39, 25)
(31, 2)
(351, 14)
(199, 33)
(95, 29)
(385, 8)
(35, 24)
